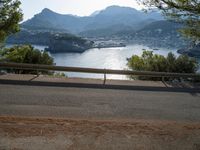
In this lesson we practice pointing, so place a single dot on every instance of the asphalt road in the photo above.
(58, 113)
(90, 101)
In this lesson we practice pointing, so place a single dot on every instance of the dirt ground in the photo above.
(18, 133)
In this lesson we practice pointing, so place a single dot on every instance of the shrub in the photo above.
(25, 54)
(158, 63)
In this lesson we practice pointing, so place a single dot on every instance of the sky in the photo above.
(75, 7)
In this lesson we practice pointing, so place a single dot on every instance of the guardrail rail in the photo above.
(39, 67)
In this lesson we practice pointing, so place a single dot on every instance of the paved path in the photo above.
(90, 99)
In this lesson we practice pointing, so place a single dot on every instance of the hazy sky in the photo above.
(75, 7)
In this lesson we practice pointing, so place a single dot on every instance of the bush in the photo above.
(25, 54)
(158, 63)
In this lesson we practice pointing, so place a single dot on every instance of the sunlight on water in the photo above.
(104, 58)
(109, 58)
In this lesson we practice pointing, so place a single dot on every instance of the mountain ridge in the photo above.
(109, 16)
(113, 23)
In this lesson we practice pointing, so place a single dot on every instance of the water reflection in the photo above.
(109, 58)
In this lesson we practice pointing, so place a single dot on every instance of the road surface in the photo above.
(93, 100)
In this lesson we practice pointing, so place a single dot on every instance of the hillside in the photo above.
(160, 34)
(192, 51)
(56, 42)
(68, 43)
(108, 31)
(30, 37)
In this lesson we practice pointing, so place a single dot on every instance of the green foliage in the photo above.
(10, 16)
(25, 54)
(158, 63)
(59, 74)
(184, 11)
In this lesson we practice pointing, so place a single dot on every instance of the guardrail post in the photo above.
(104, 81)
(163, 79)
(38, 74)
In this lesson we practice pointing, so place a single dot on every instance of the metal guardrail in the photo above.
(96, 71)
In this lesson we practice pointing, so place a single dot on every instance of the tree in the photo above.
(158, 63)
(171, 61)
(10, 16)
(183, 11)
(26, 54)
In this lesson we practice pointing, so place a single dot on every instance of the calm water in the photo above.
(109, 58)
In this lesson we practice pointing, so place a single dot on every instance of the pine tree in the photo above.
(10, 16)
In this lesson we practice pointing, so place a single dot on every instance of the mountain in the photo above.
(111, 16)
(95, 13)
(122, 24)
(107, 31)
(48, 19)
(114, 22)
(160, 29)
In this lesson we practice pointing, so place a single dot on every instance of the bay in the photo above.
(103, 58)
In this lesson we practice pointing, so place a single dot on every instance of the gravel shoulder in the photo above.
(52, 133)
